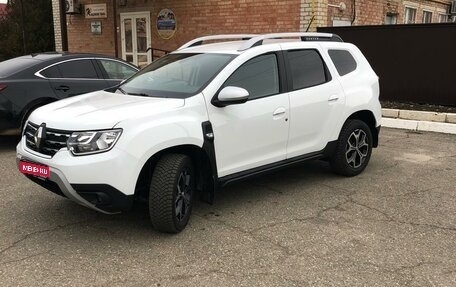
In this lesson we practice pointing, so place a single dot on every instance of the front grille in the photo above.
(54, 140)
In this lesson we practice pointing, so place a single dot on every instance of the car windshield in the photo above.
(176, 75)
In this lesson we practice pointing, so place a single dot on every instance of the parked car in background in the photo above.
(31, 81)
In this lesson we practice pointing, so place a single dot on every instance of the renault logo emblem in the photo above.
(40, 135)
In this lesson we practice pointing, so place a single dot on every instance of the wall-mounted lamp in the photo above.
(122, 3)
(342, 7)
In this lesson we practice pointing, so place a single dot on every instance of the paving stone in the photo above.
(390, 113)
(422, 116)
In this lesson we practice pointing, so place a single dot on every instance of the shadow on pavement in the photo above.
(62, 211)
(8, 143)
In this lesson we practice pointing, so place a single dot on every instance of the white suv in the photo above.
(205, 116)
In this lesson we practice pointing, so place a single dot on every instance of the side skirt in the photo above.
(327, 152)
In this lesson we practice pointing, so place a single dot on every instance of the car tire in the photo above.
(171, 193)
(26, 115)
(24, 118)
(353, 150)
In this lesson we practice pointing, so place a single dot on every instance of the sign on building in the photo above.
(166, 23)
(95, 11)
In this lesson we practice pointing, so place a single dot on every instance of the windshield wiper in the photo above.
(122, 90)
(138, 94)
(132, 94)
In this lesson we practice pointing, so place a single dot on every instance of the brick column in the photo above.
(57, 27)
(316, 8)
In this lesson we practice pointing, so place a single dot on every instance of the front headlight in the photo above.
(82, 143)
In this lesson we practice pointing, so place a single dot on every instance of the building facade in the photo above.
(128, 28)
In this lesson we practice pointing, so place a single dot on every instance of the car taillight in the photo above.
(2, 87)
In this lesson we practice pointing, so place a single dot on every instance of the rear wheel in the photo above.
(27, 114)
(354, 148)
(171, 193)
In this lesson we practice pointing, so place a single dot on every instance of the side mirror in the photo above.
(231, 96)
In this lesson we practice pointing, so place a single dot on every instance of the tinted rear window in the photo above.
(52, 72)
(307, 69)
(82, 69)
(343, 60)
(10, 67)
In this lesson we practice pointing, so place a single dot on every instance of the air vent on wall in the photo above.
(72, 7)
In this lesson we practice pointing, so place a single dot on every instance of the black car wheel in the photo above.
(354, 148)
(171, 193)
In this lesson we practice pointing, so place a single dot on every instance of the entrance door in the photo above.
(135, 29)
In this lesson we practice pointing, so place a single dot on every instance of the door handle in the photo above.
(279, 112)
(333, 98)
(62, 88)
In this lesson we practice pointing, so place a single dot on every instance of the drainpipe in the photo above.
(354, 12)
(114, 14)
(23, 28)
(63, 26)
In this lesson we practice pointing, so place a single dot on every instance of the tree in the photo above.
(26, 28)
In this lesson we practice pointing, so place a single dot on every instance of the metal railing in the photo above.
(157, 53)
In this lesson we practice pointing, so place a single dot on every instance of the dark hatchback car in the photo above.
(29, 82)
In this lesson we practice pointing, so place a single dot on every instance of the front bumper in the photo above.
(94, 192)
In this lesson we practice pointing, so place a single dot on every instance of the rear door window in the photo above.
(307, 69)
(83, 69)
(343, 60)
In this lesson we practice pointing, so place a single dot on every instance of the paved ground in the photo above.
(394, 225)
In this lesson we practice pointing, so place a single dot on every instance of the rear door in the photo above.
(316, 99)
(74, 77)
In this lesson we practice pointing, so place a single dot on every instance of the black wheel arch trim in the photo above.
(368, 117)
(204, 160)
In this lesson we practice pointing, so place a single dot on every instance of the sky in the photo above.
(3, 1)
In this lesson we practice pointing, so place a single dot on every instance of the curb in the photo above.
(419, 115)
(419, 121)
(425, 126)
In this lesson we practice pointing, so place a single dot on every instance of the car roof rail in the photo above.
(199, 41)
(304, 36)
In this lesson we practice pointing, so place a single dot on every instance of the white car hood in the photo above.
(99, 110)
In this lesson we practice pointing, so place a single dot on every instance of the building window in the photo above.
(410, 15)
(340, 23)
(427, 17)
(443, 18)
(390, 19)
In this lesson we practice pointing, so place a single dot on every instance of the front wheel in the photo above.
(354, 148)
(171, 193)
